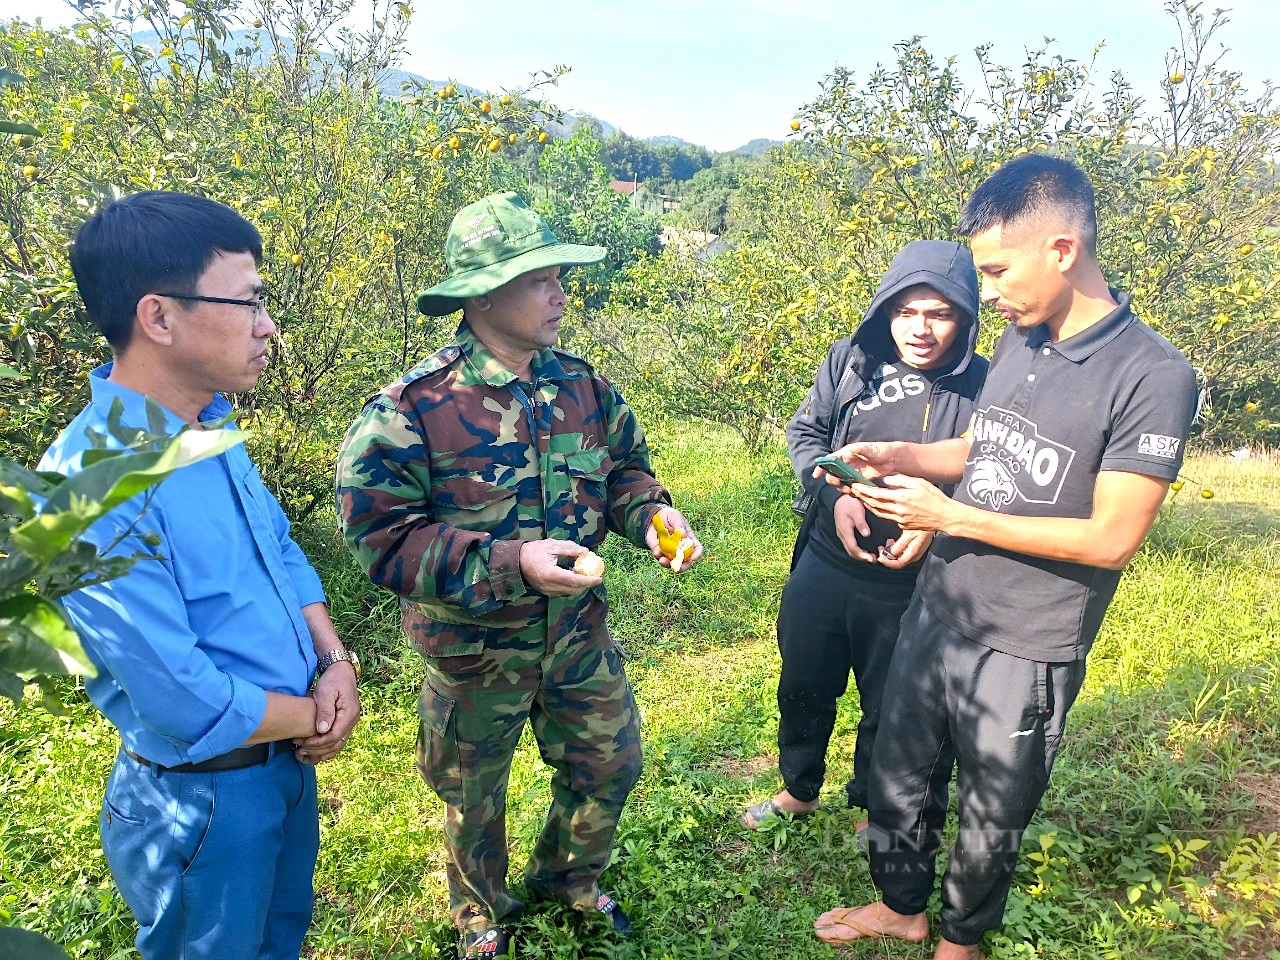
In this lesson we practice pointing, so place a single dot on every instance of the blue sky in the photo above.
(720, 73)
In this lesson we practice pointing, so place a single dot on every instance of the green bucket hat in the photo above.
(495, 240)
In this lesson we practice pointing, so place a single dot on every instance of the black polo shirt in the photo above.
(1051, 416)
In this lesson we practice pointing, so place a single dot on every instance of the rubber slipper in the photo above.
(841, 918)
(859, 931)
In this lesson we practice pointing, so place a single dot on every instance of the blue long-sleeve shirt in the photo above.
(188, 642)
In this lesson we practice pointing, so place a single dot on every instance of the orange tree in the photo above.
(1187, 205)
(280, 110)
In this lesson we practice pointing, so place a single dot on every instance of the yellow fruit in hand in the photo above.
(455, 142)
(296, 259)
(588, 565)
(1175, 486)
(795, 124)
(674, 545)
(1207, 493)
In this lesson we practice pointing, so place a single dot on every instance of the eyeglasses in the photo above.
(258, 305)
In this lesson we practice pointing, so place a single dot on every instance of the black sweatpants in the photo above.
(1002, 719)
(830, 622)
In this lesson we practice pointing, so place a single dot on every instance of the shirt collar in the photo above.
(104, 391)
(546, 365)
(1091, 339)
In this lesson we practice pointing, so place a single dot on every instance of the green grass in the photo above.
(1157, 838)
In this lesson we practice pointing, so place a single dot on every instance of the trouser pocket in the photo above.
(439, 760)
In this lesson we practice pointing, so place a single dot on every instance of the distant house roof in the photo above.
(627, 187)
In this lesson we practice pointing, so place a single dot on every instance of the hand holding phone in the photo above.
(840, 469)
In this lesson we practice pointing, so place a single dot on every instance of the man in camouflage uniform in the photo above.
(464, 487)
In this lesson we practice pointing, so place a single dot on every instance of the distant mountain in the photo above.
(673, 141)
(393, 82)
(757, 147)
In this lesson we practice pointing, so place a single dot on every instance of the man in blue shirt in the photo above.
(207, 648)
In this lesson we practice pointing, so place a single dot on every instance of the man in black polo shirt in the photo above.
(1079, 430)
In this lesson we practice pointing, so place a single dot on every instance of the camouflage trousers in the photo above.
(473, 709)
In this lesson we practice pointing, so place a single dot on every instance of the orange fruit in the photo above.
(588, 565)
(543, 137)
(485, 106)
(1206, 493)
(504, 100)
(495, 145)
(512, 138)
(455, 142)
(296, 259)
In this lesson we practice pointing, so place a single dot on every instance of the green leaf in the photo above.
(15, 501)
(37, 631)
(1196, 843)
(9, 126)
(157, 417)
(12, 686)
(8, 373)
(50, 698)
(83, 498)
(16, 942)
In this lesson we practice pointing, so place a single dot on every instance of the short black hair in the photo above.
(148, 242)
(1028, 186)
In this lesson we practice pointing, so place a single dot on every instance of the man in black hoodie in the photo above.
(909, 372)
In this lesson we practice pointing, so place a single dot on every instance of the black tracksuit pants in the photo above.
(1001, 717)
(830, 622)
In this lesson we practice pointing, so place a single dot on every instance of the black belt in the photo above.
(237, 759)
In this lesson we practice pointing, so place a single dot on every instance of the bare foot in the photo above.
(846, 924)
(784, 801)
(953, 951)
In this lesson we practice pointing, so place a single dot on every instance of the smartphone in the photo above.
(838, 468)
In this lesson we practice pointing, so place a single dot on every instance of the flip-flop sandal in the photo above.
(758, 813)
(860, 932)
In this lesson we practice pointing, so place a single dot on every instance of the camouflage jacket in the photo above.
(447, 471)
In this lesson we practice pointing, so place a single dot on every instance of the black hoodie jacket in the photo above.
(820, 425)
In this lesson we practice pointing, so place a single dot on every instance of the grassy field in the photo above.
(1158, 838)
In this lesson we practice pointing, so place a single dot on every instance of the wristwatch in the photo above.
(333, 656)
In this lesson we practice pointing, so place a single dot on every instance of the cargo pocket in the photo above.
(472, 504)
(439, 761)
(588, 472)
(436, 638)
